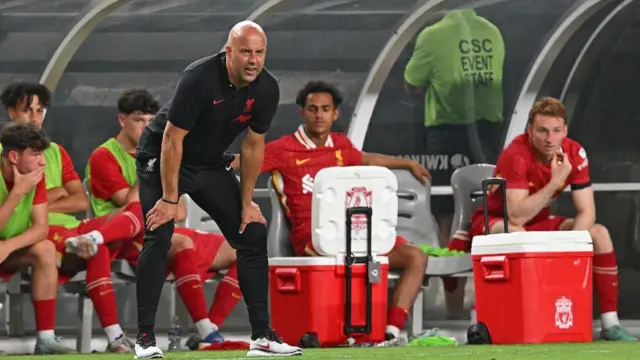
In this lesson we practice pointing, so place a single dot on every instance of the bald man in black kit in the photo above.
(184, 151)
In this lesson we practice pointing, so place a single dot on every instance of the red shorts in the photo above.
(130, 250)
(310, 251)
(552, 223)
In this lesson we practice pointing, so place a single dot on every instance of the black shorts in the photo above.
(453, 146)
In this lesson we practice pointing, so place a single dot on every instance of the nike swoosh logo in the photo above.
(300, 162)
(266, 347)
(216, 102)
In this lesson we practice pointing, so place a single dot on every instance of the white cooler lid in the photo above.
(532, 241)
(337, 188)
(316, 260)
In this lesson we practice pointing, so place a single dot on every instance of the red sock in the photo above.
(124, 226)
(227, 296)
(45, 311)
(397, 317)
(100, 287)
(189, 284)
(605, 278)
(460, 241)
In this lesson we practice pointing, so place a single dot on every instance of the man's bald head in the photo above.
(246, 50)
(245, 28)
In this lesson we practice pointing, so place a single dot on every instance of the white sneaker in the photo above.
(85, 245)
(146, 348)
(272, 345)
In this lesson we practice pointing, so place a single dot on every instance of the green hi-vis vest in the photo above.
(53, 179)
(127, 163)
(20, 220)
(460, 60)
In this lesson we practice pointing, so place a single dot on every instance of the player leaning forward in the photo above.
(537, 166)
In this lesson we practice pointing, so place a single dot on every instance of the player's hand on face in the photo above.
(420, 172)
(251, 213)
(162, 213)
(560, 167)
(24, 183)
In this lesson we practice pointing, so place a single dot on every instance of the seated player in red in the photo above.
(25, 103)
(295, 160)
(537, 166)
(24, 225)
(111, 173)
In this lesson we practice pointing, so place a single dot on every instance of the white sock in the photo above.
(46, 334)
(205, 327)
(609, 319)
(393, 331)
(97, 236)
(113, 332)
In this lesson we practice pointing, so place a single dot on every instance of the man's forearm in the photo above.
(170, 158)
(133, 195)
(8, 207)
(387, 161)
(251, 157)
(34, 234)
(584, 221)
(55, 194)
(69, 204)
(525, 210)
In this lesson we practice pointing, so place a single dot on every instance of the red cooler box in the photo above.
(308, 295)
(534, 287)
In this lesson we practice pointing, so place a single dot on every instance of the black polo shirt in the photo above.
(213, 111)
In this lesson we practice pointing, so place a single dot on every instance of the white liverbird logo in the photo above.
(358, 196)
(564, 315)
(150, 164)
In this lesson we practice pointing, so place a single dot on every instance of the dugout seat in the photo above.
(466, 183)
(278, 242)
(417, 224)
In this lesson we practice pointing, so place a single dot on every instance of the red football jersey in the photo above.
(294, 161)
(519, 167)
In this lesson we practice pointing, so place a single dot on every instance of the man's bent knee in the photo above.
(602, 243)
(253, 239)
(225, 257)
(407, 256)
(159, 239)
(180, 243)
(498, 227)
(43, 253)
